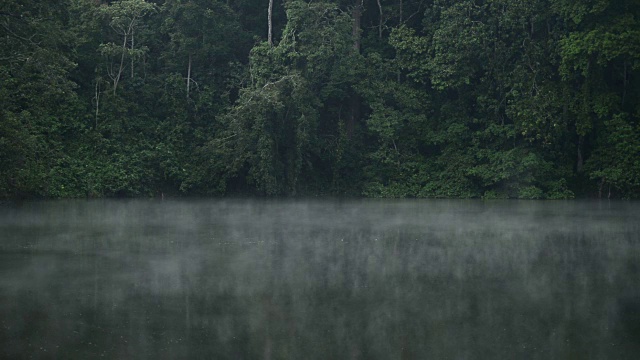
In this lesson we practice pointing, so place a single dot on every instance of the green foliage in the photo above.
(39, 103)
(616, 161)
(485, 99)
(274, 125)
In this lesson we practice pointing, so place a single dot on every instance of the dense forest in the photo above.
(532, 99)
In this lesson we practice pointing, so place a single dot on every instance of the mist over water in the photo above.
(267, 279)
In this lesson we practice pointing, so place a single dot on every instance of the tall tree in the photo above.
(273, 129)
(270, 23)
(124, 18)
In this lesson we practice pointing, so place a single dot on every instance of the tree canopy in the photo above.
(389, 98)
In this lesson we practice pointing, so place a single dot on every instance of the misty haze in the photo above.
(275, 279)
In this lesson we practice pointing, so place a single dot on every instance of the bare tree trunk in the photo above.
(132, 53)
(189, 76)
(355, 99)
(580, 161)
(97, 97)
(400, 20)
(270, 38)
(357, 15)
(379, 20)
(602, 182)
(116, 79)
(624, 84)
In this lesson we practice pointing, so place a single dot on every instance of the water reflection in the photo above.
(320, 280)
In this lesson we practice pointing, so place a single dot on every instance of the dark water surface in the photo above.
(222, 279)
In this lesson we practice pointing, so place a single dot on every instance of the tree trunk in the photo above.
(357, 15)
(624, 84)
(355, 99)
(380, 20)
(270, 15)
(116, 79)
(132, 45)
(580, 160)
(602, 182)
(97, 97)
(189, 76)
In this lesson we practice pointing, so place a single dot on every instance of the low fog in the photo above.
(360, 279)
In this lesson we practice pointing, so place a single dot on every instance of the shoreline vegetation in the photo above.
(487, 99)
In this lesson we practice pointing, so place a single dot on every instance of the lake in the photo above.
(320, 279)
